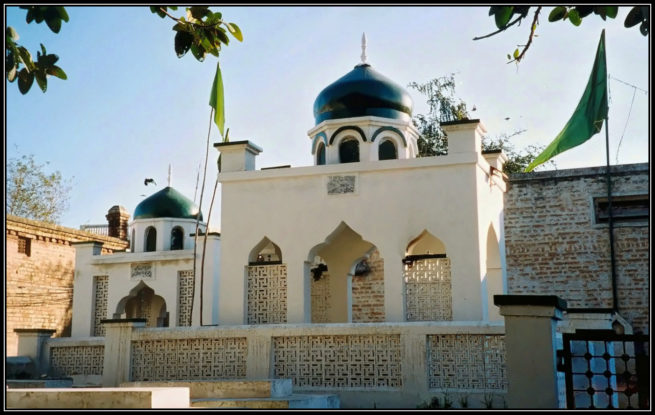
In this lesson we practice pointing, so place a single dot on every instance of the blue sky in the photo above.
(130, 106)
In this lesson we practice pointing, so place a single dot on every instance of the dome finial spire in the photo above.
(170, 173)
(364, 47)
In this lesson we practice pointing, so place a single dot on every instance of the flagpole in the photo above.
(615, 305)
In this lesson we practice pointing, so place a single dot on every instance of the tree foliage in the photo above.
(507, 16)
(201, 31)
(445, 106)
(18, 60)
(34, 194)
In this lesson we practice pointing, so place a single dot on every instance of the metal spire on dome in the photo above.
(364, 48)
(170, 173)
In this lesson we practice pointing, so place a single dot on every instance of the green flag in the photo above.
(588, 117)
(216, 100)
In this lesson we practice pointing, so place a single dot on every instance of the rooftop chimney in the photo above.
(117, 218)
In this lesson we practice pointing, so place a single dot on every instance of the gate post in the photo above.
(531, 349)
(118, 350)
(31, 343)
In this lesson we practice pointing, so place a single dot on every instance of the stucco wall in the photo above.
(554, 247)
(39, 287)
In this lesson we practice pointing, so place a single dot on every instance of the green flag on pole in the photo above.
(588, 117)
(216, 100)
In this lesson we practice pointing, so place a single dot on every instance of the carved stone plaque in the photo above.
(340, 185)
(142, 271)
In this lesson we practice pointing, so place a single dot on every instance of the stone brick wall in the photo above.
(39, 287)
(368, 293)
(553, 245)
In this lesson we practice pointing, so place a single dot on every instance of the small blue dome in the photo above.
(361, 92)
(167, 203)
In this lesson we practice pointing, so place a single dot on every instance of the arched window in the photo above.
(133, 242)
(177, 238)
(320, 155)
(151, 239)
(387, 151)
(349, 151)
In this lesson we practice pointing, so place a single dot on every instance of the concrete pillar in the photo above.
(531, 349)
(237, 155)
(414, 367)
(464, 135)
(394, 289)
(258, 365)
(31, 343)
(298, 289)
(118, 359)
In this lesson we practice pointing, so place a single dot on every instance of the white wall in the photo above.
(394, 201)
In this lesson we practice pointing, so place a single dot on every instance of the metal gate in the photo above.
(605, 370)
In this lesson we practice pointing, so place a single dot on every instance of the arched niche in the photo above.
(177, 238)
(266, 285)
(142, 302)
(427, 280)
(265, 252)
(150, 240)
(341, 251)
(425, 244)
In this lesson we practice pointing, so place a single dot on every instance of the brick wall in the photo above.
(368, 293)
(553, 245)
(39, 287)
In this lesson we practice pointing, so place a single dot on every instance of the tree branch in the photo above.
(195, 24)
(532, 29)
(502, 29)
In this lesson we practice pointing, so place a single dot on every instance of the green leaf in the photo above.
(11, 33)
(509, 56)
(557, 13)
(236, 32)
(62, 13)
(183, 42)
(26, 58)
(56, 71)
(503, 14)
(644, 28)
(198, 52)
(634, 17)
(574, 17)
(213, 19)
(43, 48)
(52, 19)
(40, 80)
(39, 13)
(156, 10)
(206, 43)
(584, 11)
(220, 34)
(30, 14)
(25, 80)
(11, 75)
(198, 12)
(611, 11)
(516, 53)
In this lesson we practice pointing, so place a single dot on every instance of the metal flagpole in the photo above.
(615, 304)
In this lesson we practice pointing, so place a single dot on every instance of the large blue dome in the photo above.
(361, 92)
(167, 203)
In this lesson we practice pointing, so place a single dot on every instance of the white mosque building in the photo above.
(369, 233)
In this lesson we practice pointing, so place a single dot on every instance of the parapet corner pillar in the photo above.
(31, 343)
(117, 357)
(531, 349)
